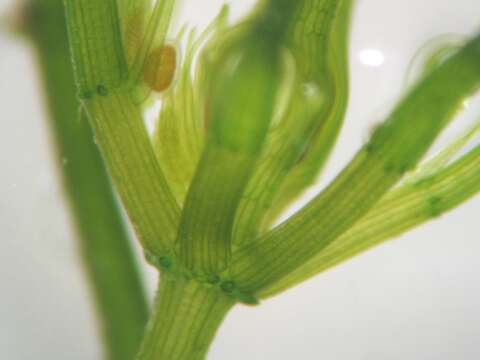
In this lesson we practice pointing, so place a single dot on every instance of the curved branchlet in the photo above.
(327, 67)
(316, 41)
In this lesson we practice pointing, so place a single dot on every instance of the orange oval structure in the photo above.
(160, 68)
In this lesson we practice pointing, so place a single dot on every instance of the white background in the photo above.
(414, 298)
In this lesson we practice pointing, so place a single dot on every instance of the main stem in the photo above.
(184, 321)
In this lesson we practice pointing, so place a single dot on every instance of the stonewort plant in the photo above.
(249, 115)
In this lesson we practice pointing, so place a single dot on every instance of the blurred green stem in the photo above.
(104, 242)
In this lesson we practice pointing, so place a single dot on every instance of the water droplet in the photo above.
(372, 57)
